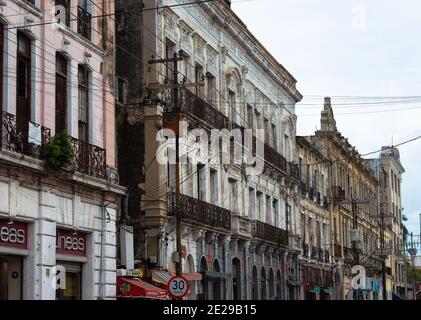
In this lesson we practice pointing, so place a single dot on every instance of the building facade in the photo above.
(355, 228)
(390, 170)
(316, 259)
(240, 231)
(55, 78)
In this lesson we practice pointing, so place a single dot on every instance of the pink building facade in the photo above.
(57, 66)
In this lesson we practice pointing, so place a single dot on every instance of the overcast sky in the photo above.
(351, 48)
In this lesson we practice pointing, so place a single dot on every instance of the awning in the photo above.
(136, 288)
(163, 277)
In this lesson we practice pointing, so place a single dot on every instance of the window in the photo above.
(250, 116)
(300, 168)
(275, 213)
(83, 94)
(23, 97)
(169, 53)
(233, 195)
(201, 182)
(287, 147)
(61, 93)
(198, 77)
(63, 11)
(268, 210)
(214, 186)
(274, 137)
(260, 206)
(232, 105)
(211, 85)
(252, 204)
(84, 19)
(121, 90)
(267, 132)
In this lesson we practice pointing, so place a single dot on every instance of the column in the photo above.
(228, 269)
(246, 288)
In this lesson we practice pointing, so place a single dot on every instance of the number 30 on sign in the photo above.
(178, 287)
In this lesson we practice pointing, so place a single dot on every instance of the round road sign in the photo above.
(178, 287)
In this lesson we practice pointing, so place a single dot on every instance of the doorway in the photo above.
(10, 278)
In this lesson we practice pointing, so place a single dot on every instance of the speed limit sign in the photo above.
(178, 287)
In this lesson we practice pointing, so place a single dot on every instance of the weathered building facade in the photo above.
(315, 223)
(389, 170)
(355, 228)
(240, 231)
(55, 78)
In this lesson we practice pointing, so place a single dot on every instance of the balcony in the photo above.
(200, 213)
(89, 159)
(275, 159)
(294, 171)
(22, 136)
(269, 233)
(198, 109)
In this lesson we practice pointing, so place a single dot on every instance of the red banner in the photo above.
(71, 243)
(13, 234)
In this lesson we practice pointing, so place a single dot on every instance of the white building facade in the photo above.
(240, 231)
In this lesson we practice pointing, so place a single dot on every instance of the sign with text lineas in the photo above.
(13, 235)
(71, 243)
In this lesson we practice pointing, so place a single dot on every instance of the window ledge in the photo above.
(30, 7)
(76, 36)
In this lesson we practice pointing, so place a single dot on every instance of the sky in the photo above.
(347, 48)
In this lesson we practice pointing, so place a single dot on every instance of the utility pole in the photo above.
(174, 124)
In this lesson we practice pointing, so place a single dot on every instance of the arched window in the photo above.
(263, 286)
(61, 93)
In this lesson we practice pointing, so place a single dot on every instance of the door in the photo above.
(23, 90)
(73, 285)
(10, 278)
(61, 94)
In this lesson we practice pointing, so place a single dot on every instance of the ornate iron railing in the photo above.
(269, 233)
(22, 136)
(194, 106)
(199, 212)
(89, 159)
(275, 159)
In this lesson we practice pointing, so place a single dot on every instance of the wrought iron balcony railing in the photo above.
(198, 109)
(89, 159)
(269, 233)
(22, 136)
(294, 171)
(199, 212)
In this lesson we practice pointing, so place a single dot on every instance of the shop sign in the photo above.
(71, 243)
(13, 234)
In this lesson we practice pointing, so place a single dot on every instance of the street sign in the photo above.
(178, 287)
